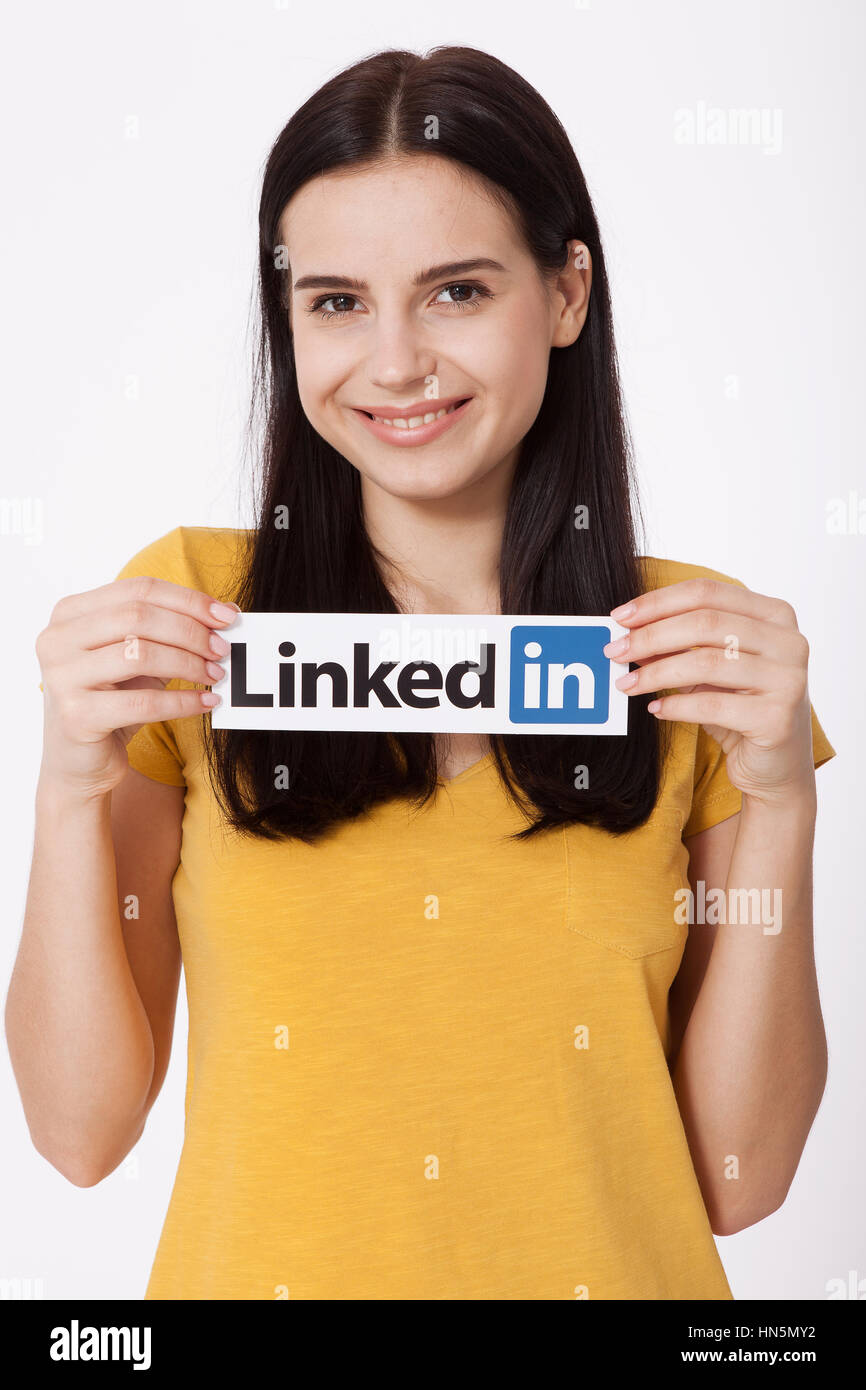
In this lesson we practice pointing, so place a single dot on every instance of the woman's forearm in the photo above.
(79, 1037)
(752, 1066)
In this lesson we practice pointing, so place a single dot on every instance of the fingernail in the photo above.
(225, 613)
(625, 610)
(617, 648)
(216, 671)
(625, 682)
(208, 698)
(219, 644)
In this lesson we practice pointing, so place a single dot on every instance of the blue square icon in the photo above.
(559, 675)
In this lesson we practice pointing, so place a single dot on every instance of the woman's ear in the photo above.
(573, 286)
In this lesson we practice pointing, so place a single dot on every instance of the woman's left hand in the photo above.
(739, 663)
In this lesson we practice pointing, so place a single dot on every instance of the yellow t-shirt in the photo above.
(387, 1097)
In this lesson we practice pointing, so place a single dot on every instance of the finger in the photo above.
(124, 661)
(745, 714)
(135, 618)
(711, 666)
(712, 627)
(705, 593)
(162, 592)
(104, 711)
(645, 660)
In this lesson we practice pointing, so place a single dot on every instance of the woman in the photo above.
(454, 1031)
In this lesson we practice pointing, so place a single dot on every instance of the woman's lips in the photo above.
(405, 436)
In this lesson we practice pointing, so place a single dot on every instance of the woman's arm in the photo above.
(90, 1007)
(750, 1071)
(752, 1064)
(91, 1000)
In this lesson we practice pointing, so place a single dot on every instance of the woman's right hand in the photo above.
(105, 657)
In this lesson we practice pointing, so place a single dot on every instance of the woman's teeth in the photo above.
(416, 420)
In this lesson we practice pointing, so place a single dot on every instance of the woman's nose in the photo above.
(398, 353)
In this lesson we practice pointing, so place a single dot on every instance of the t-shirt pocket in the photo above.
(626, 891)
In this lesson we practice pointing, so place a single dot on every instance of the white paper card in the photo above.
(422, 672)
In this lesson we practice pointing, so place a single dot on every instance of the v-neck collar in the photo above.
(467, 771)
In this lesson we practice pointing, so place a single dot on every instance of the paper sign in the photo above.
(422, 672)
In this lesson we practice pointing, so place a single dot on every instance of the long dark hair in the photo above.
(577, 452)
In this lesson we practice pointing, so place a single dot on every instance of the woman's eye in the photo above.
(319, 305)
(480, 290)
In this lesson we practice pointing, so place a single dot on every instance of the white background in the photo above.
(738, 294)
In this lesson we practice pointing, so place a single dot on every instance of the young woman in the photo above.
(453, 1033)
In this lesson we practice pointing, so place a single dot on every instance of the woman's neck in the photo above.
(441, 556)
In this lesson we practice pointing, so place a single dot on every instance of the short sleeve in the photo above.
(715, 797)
(154, 750)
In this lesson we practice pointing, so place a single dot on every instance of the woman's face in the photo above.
(383, 319)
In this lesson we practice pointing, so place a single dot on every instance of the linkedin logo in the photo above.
(534, 673)
(559, 675)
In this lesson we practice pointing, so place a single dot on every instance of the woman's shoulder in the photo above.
(659, 572)
(210, 558)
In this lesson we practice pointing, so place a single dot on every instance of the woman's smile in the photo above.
(409, 430)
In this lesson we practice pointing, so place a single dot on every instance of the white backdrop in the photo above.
(133, 140)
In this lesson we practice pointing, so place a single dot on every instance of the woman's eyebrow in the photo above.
(434, 272)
